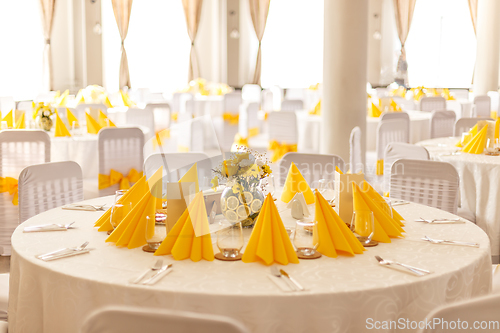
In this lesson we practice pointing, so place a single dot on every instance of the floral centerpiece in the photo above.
(43, 114)
(242, 198)
(205, 88)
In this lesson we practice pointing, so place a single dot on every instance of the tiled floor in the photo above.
(4, 265)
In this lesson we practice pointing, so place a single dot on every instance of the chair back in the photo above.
(398, 150)
(483, 106)
(283, 127)
(232, 102)
(249, 118)
(120, 149)
(91, 109)
(431, 183)
(161, 115)
(122, 319)
(312, 166)
(267, 100)
(355, 156)
(142, 117)
(179, 101)
(463, 125)
(251, 93)
(442, 123)
(431, 103)
(459, 93)
(292, 105)
(393, 130)
(397, 115)
(46, 186)
(175, 165)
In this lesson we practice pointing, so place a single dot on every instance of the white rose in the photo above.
(259, 162)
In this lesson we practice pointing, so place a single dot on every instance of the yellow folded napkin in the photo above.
(378, 200)
(61, 100)
(104, 121)
(316, 111)
(494, 115)
(240, 140)
(191, 176)
(126, 99)
(80, 99)
(232, 119)
(9, 184)
(379, 167)
(107, 101)
(477, 143)
(9, 118)
(61, 129)
(468, 137)
(497, 128)
(190, 236)
(269, 242)
(394, 106)
(72, 119)
(295, 183)
(385, 225)
(279, 149)
(20, 122)
(116, 177)
(93, 126)
(332, 233)
(374, 111)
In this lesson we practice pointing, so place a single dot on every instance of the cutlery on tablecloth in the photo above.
(399, 202)
(67, 254)
(449, 242)
(414, 270)
(49, 227)
(157, 266)
(295, 282)
(441, 221)
(276, 272)
(61, 251)
(158, 275)
(86, 207)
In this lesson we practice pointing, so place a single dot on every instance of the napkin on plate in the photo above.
(374, 111)
(61, 129)
(269, 241)
(385, 225)
(295, 183)
(190, 236)
(477, 143)
(20, 122)
(71, 118)
(93, 126)
(104, 121)
(333, 234)
(9, 118)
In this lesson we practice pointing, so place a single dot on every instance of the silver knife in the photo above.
(295, 282)
(66, 254)
(151, 279)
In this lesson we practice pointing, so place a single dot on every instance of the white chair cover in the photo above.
(442, 123)
(465, 124)
(4, 296)
(142, 117)
(249, 118)
(121, 319)
(393, 130)
(179, 101)
(483, 106)
(251, 93)
(92, 109)
(232, 102)
(434, 184)
(312, 166)
(161, 115)
(18, 149)
(398, 150)
(193, 135)
(495, 100)
(397, 115)
(292, 105)
(120, 149)
(46, 186)
(355, 156)
(432, 103)
(482, 311)
(267, 100)
(283, 127)
(295, 93)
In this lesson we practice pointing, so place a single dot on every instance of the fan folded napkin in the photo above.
(93, 126)
(61, 129)
(104, 121)
(296, 183)
(374, 111)
(477, 143)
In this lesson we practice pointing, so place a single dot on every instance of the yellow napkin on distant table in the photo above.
(332, 233)
(269, 241)
(232, 119)
(239, 140)
(61, 100)
(478, 142)
(385, 225)
(374, 111)
(190, 236)
(104, 121)
(279, 149)
(9, 118)
(191, 176)
(107, 102)
(468, 137)
(116, 177)
(71, 118)
(294, 183)
(93, 126)
(316, 111)
(79, 97)
(9, 184)
(394, 106)
(20, 122)
(497, 128)
(61, 129)
(126, 99)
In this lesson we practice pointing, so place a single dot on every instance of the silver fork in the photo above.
(276, 272)
(62, 251)
(442, 241)
(157, 265)
(415, 270)
(43, 226)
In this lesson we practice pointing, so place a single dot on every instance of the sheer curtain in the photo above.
(441, 45)
(22, 44)
(157, 46)
(292, 47)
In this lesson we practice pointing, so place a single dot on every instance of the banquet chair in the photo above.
(484, 309)
(463, 125)
(431, 103)
(18, 149)
(161, 115)
(283, 127)
(459, 93)
(232, 102)
(483, 106)
(179, 101)
(431, 183)
(195, 108)
(128, 319)
(267, 100)
(398, 150)
(46, 186)
(392, 130)
(397, 115)
(442, 123)
(142, 117)
(292, 105)
(91, 109)
(312, 166)
(355, 151)
(251, 93)
(248, 124)
(227, 129)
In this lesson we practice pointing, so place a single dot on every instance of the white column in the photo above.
(344, 74)
(488, 47)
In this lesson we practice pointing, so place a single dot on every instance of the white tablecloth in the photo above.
(343, 293)
(420, 123)
(479, 190)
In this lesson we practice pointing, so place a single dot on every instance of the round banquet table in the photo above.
(420, 123)
(479, 191)
(343, 292)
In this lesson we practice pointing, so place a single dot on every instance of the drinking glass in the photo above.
(118, 213)
(305, 238)
(230, 239)
(363, 225)
(156, 231)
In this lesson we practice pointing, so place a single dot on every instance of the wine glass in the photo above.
(230, 239)
(118, 213)
(156, 231)
(363, 225)
(305, 238)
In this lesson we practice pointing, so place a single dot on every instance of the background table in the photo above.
(342, 292)
(479, 191)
